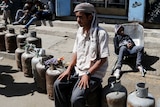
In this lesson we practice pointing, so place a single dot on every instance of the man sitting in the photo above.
(42, 12)
(23, 15)
(124, 45)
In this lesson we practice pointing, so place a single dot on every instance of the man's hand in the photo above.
(84, 82)
(65, 74)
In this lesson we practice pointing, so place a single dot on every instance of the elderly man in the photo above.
(89, 61)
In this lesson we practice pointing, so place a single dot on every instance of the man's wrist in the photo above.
(88, 73)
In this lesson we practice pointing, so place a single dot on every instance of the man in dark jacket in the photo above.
(124, 45)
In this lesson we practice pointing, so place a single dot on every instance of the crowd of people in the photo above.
(32, 11)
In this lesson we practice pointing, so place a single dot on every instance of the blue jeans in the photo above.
(124, 51)
(39, 16)
(34, 18)
(19, 14)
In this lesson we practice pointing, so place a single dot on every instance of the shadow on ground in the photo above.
(147, 62)
(7, 69)
(9, 88)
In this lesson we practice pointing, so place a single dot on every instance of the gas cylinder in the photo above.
(2, 40)
(33, 39)
(51, 76)
(114, 94)
(26, 61)
(141, 97)
(3, 27)
(158, 103)
(21, 38)
(10, 41)
(41, 75)
(18, 53)
(39, 53)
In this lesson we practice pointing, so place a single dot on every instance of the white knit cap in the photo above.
(85, 7)
(117, 27)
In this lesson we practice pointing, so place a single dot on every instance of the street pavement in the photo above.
(16, 90)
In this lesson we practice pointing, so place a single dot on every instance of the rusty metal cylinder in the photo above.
(41, 75)
(2, 28)
(39, 54)
(21, 38)
(140, 97)
(18, 54)
(51, 76)
(33, 39)
(10, 41)
(2, 41)
(114, 94)
(26, 62)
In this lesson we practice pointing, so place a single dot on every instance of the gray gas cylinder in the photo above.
(39, 53)
(158, 102)
(140, 97)
(114, 94)
(26, 61)
(33, 39)
(18, 54)
(51, 76)
(21, 38)
(41, 75)
(2, 41)
(10, 41)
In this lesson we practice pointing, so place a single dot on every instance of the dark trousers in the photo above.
(68, 94)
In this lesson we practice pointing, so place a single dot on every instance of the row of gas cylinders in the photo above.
(33, 62)
(116, 95)
(10, 41)
(30, 58)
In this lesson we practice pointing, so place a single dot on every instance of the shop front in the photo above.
(108, 7)
(144, 11)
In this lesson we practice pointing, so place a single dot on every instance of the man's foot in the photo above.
(25, 30)
(117, 73)
(142, 70)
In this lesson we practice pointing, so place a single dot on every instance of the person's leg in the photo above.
(10, 17)
(122, 52)
(30, 22)
(25, 17)
(19, 14)
(5, 16)
(80, 96)
(62, 91)
(139, 51)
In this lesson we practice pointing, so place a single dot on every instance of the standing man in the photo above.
(6, 6)
(89, 61)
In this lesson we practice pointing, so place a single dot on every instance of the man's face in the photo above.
(82, 19)
(121, 31)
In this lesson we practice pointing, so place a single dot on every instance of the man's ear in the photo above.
(90, 17)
